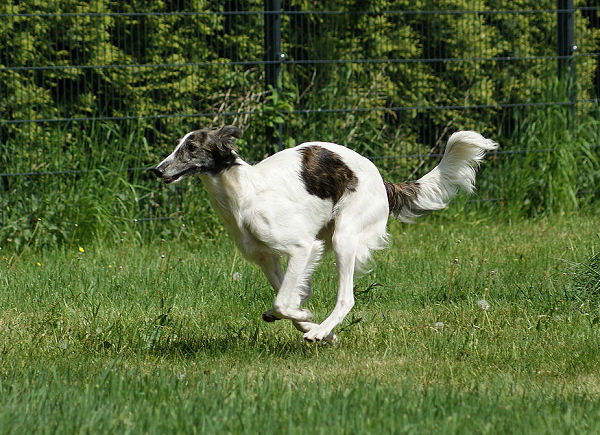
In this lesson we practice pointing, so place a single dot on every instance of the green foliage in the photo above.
(102, 87)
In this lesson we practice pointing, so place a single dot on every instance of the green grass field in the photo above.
(168, 337)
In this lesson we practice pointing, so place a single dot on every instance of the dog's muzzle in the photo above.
(160, 173)
(157, 171)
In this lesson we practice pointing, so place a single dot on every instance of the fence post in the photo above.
(273, 64)
(566, 46)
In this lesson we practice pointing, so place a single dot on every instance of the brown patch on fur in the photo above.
(401, 195)
(325, 174)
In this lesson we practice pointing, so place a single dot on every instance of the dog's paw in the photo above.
(294, 314)
(269, 316)
(320, 334)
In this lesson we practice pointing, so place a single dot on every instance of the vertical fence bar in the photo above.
(273, 65)
(566, 46)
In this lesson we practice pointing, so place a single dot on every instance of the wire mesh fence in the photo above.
(90, 88)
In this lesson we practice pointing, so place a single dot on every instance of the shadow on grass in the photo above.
(247, 341)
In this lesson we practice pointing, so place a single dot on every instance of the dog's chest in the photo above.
(252, 234)
(235, 208)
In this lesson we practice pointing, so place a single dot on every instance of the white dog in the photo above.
(317, 196)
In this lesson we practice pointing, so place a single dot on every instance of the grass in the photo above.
(167, 337)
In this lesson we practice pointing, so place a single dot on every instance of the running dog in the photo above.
(302, 201)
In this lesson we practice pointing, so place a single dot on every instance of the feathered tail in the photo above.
(464, 152)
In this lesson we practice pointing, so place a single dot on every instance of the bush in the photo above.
(103, 88)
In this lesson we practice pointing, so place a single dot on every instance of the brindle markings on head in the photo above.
(325, 174)
(190, 145)
(216, 146)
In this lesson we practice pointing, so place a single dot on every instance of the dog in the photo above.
(317, 196)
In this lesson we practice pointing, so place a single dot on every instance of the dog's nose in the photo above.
(157, 171)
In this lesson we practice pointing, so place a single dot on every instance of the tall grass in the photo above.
(97, 180)
(549, 162)
(553, 164)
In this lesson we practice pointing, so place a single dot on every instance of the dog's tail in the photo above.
(464, 151)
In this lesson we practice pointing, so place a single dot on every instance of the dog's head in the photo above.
(209, 150)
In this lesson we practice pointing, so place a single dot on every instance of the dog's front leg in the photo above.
(308, 326)
(295, 287)
(271, 267)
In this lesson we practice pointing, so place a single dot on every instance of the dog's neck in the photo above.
(228, 189)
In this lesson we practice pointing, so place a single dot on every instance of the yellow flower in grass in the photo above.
(81, 249)
(38, 264)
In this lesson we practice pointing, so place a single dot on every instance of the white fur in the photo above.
(180, 142)
(464, 152)
(270, 215)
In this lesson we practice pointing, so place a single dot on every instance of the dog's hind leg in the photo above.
(345, 245)
(295, 287)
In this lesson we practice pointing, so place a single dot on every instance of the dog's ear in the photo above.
(226, 137)
(230, 131)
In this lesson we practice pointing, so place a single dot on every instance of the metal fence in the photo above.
(348, 71)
